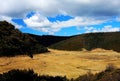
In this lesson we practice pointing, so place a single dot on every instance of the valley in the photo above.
(63, 63)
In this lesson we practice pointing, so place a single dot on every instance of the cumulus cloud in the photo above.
(109, 28)
(39, 22)
(85, 12)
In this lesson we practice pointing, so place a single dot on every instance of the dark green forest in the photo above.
(48, 40)
(13, 42)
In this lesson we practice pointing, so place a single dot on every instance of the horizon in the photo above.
(72, 35)
(43, 17)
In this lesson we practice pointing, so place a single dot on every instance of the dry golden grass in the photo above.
(69, 63)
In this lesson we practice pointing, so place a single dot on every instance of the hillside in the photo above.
(108, 41)
(14, 42)
(48, 40)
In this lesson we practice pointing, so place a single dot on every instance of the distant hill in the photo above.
(48, 40)
(90, 41)
(14, 42)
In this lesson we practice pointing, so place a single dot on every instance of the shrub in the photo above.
(110, 67)
(110, 74)
(28, 75)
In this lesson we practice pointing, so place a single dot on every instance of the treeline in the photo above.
(28, 75)
(48, 40)
(13, 42)
(110, 74)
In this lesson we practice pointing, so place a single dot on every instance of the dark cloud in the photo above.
(54, 7)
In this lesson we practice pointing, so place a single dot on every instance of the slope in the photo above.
(90, 41)
(14, 42)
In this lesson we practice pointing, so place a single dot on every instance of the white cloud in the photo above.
(9, 19)
(85, 12)
(107, 28)
(41, 23)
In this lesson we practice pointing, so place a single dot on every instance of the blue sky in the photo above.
(62, 17)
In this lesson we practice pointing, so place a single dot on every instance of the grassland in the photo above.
(69, 63)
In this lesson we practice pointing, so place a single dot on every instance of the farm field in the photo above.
(63, 63)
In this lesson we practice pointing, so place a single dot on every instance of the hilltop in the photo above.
(90, 41)
(14, 42)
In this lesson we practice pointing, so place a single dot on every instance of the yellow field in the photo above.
(69, 63)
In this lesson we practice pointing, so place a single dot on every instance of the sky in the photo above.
(62, 17)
